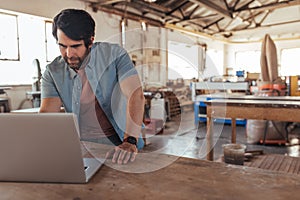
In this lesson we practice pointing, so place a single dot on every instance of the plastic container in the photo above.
(234, 153)
(240, 73)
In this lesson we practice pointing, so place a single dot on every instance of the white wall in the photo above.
(211, 69)
(45, 8)
(107, 26)
(231, 49)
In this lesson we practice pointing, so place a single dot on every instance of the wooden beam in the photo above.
(213, 6)
(270, 6)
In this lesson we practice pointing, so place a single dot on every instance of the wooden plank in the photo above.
(183, 179)
(209, 137)
(233, 129)
(254, 103)
(297, 168)
(238, 96)
(260, 113)
(277, 165)
(288, 162)
(293, 166)
(275, 162)
(258, 161)
(283, 165)
(163, 177)
(269, 162)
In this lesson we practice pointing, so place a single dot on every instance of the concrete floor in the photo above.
(182, 137)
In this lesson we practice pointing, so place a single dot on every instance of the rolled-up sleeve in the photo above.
(48, 88)
(124, 65)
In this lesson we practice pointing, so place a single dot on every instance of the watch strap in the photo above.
(131, 140)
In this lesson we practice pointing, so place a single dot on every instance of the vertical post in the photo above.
(209, 140)
(233, 130)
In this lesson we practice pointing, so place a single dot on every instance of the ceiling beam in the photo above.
(103, 2)
(129, 15)
(213, 6)
(270, 6)
(197, 18)
(180, 13)
(183, 3)
(149, 8)
(258, 27)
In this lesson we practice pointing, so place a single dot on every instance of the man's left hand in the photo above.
(123, 153)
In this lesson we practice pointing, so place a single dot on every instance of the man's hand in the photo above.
(123, 153)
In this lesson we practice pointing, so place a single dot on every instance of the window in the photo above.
(213, 63)
(9, 45)
(290, 60)
(248, 61)
(24, 39)
(51, 46)
(182, 61)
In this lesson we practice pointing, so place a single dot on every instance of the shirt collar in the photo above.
(85, 61)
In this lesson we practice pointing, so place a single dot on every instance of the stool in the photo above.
(4, 104)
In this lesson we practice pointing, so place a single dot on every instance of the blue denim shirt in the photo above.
(109, 64)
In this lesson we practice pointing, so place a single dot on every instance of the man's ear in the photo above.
(91, 41)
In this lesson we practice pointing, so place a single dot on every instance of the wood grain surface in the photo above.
(180, 178)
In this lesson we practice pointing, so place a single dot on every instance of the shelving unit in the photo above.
(173, 105)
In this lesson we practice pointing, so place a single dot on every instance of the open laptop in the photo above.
(43, 147)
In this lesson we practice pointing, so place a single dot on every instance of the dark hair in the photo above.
(76, 24)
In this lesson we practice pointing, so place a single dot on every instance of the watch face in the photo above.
(131, 140)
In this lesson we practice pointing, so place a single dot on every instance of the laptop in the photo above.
(43, 147)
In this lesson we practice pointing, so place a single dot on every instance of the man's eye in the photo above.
(76, 46)
(62, 46)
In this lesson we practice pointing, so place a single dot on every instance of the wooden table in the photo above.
(200, 99)
(204, 97)
(276, 110)
(180, 178)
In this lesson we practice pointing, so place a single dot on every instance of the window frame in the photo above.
(282, 70)
(17, 56)
(248, 68)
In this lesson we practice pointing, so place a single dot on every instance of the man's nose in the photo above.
(69, 52)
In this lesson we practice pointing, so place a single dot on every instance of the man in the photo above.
(97, 82)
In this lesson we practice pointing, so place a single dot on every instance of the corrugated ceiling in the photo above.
(221, 19)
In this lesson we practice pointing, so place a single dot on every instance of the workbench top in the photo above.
(255, 102)
(240, 96)
(165, 177)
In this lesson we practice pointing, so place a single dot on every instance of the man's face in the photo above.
(72, 51)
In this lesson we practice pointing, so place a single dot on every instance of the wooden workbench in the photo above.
(204, 97)
(263, 109)
(200, 99)
(165, 177)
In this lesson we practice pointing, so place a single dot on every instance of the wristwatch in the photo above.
(130, 140)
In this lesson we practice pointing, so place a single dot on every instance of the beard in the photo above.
(75, 62)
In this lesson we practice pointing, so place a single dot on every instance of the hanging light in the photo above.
(150, 1)
(123, 29)
(144, 26)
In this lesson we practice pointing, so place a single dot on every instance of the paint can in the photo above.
(234, 153)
